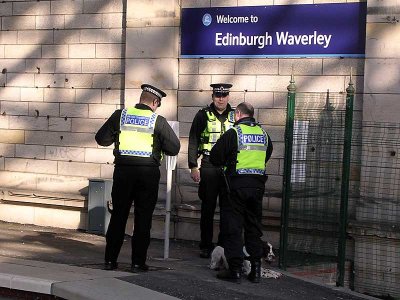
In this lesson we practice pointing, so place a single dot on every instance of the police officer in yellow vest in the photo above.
(243, 151)
(140, 137)
(207, 127)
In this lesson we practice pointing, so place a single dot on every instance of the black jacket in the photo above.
(164, 140)
(198, 125)
(224, 153)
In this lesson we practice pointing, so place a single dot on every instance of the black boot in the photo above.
(137, 268)
(229, 275)
(110, 265)
(255, 273)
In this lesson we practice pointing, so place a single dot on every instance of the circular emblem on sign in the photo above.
(207, 19)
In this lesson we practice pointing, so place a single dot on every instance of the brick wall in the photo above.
(382, 64)
(66, 65)
(62, 74)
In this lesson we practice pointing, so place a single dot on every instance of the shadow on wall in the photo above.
(53, 103)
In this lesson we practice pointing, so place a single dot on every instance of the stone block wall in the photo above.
(67, 65)
(382, 64)
(62, 74)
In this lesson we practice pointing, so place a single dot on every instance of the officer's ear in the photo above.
(156, 103)
(237, 115)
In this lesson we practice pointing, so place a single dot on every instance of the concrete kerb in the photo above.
(70, 282)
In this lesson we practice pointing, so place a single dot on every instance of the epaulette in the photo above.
(206, 108)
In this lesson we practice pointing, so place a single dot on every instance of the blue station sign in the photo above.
(275, 31)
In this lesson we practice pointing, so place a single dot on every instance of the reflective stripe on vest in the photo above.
(252, 147)
(136, 135)
(214, 130)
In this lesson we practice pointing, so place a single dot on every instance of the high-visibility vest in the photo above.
(214, 130)
(252, 147)
(136, 132)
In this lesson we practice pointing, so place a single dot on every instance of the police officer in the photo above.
(140, 137)
(243, 151)
(207, 127)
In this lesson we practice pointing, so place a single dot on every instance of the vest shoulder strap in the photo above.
(231, 116)
(210, 115)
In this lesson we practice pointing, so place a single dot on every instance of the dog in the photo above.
(268, 253)
(218, 261)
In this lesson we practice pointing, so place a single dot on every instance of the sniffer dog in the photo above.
(218, 261)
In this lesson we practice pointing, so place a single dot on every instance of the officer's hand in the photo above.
(195, 174)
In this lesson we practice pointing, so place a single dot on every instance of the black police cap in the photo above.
(152, 89)
(221, 88)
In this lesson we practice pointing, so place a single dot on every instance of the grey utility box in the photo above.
(98, 214)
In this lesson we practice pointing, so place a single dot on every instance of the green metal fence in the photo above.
(340, 209)
(374, 218)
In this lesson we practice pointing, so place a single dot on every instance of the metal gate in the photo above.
(316, 179)
(341, 194)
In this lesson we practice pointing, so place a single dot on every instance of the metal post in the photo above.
(168, 205)
(345, 183)
(170, 166)
(287, 172)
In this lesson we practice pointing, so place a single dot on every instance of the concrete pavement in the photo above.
(67, 264)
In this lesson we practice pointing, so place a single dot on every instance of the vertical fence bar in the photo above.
(287, 172)
(345, 184)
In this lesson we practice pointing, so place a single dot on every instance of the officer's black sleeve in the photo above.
(224, 149)
(109, 131)
(169, 142)
(269, 149)
(198, 125)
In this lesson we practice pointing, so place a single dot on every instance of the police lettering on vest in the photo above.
(137, 120)
(253, 139)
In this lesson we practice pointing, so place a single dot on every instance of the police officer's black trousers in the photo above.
(137, 184)
(210, 188)
(241, 209)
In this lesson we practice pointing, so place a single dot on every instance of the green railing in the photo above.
(316, 178)
(341, 194)
(287, 168)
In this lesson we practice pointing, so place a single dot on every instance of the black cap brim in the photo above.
(219, 94)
